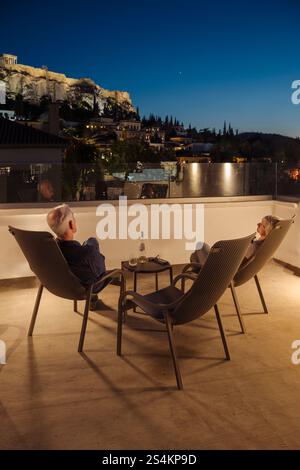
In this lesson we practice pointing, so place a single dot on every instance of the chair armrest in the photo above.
(188, 275)
(190, 267)
(115, 273)
(139, 300)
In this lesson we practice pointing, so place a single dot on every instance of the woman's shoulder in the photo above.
(259, 241)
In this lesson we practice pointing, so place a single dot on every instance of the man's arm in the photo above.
(94, 258)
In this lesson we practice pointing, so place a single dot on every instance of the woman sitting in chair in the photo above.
(263, 229)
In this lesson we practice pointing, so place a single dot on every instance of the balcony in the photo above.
(54, 398)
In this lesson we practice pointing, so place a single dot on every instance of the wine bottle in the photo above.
(142, 250)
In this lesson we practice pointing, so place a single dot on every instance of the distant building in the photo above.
(184, 158)
(199, 148)
(157, 145)
(181, 139)
(48, 122)
(21, 144)
(197, 152)
(181, 133)
(8, 59)
(151, 133)
(127, 130)
(100, 126)
(7, 113)
(130, 125)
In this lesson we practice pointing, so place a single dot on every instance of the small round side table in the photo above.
(150, 267)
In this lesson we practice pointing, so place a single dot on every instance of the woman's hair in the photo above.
(271, 222)
(58, 219)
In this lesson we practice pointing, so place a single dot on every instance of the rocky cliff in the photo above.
(33, 83)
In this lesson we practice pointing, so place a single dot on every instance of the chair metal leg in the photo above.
(156, 282)
(173, 351)
(222, 332)
(122, 290)
(237, 307)
(121, 318)
(35, 310)
(261, 294)
(183, 285)
(75, 306)
(171, 274)
(85, 318)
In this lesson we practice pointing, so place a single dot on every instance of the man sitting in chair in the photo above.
(85, 261)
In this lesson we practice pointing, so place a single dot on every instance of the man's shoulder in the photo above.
(68, 243)
(68, 246)
(74, 248)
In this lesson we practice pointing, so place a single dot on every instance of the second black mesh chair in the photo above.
(50, 267)
(173, 307)
(251, 268)
(264, 253)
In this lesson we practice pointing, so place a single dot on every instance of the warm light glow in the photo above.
(227, 170)
(228, 175)
(195, 168)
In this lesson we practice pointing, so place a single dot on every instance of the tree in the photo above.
(81, 165)
(96, 110)
(19, 107)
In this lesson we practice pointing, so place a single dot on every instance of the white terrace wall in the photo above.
(223, 218)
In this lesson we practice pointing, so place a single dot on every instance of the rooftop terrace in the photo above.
(54, 398)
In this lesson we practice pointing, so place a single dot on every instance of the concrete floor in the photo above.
(54, 398)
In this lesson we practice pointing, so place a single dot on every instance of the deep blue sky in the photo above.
(201, 61)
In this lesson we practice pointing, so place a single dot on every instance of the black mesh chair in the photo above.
(173, 307)
(50, 267)
(250, 269)
(264, 253)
